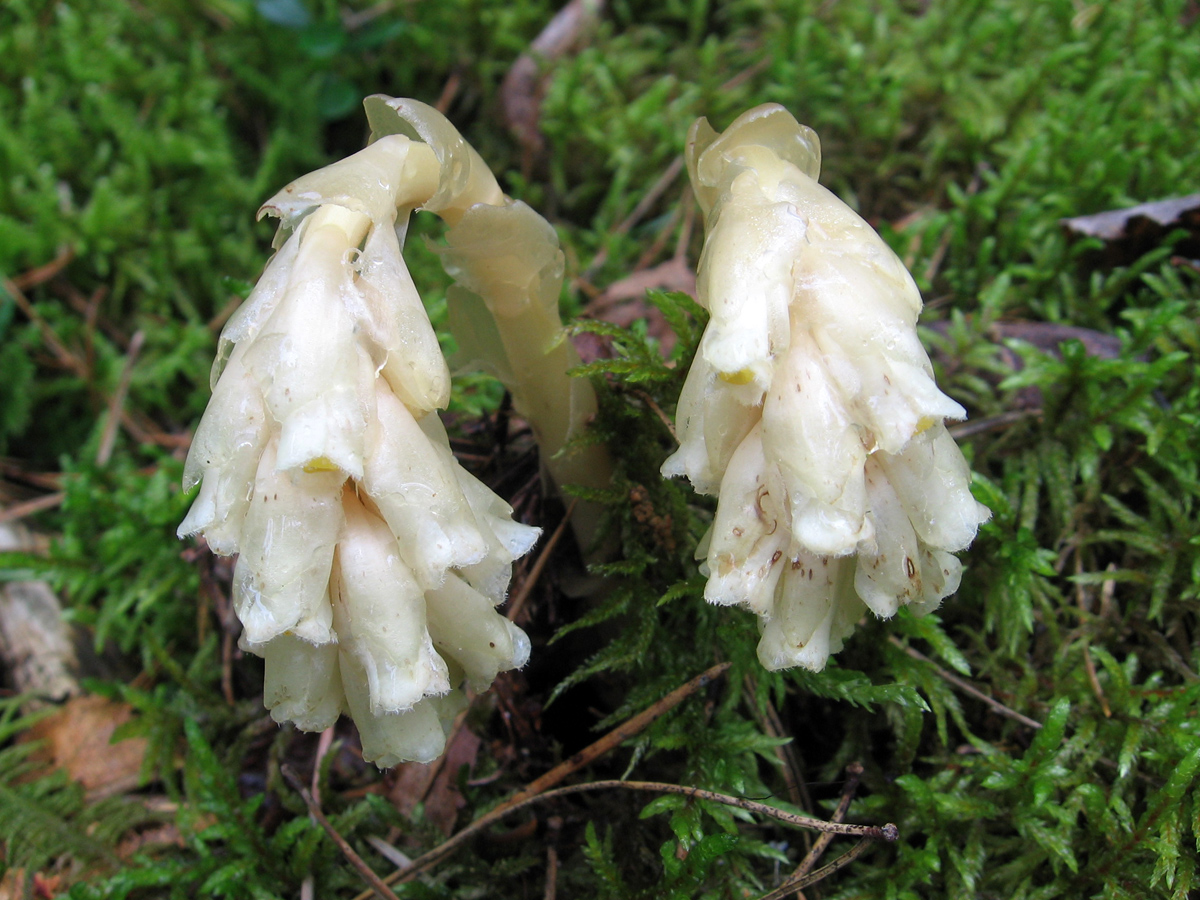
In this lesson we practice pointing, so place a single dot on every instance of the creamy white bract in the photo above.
(811, 409)
(369, 561)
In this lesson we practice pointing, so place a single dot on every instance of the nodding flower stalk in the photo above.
(369, 561)
(811, 409)
(508, 270)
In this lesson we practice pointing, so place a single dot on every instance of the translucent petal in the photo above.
(379, 615)
(466, 628)
(281, 580)
(413, 482)
(302, 683)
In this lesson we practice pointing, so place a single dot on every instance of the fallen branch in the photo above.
(585, 756)
(378, 885)
(868, 833)
(966, 687)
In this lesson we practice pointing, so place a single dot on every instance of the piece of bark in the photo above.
(36, 645)
(436, 784)
(521, 91)
(624, 302)
(1046, 337)
(1130, 233)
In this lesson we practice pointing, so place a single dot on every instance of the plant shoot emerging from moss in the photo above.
(811, 409)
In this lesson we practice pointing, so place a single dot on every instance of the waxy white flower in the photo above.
(811, 409)
(369, 561)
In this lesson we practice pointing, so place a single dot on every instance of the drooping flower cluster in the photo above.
(811, 409)
(369, 561)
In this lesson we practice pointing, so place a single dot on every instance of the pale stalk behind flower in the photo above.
(508, 269)
(811, 409)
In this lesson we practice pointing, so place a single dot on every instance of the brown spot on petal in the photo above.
(909, 567)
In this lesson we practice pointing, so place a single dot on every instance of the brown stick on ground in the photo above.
(378, 886)
(868, 833)
(966, 686)
(520, 93)
(535, 788)
(853, 773)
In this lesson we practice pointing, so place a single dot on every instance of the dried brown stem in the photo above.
(378, 885)
(115, 404)
(43, 273)
(822, 873)
(853, 773)
(618, 735)
(526, 796)
(664, 181)
(868, 833)
(966, 687)
(535, 573)
(29, 507)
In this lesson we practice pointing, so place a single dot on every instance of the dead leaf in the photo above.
(624, 302)
(436, 784)
(78, 739)
(1130, 233)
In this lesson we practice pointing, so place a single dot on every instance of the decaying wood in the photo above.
(520, 94)
(35, 643)
(1130, 233)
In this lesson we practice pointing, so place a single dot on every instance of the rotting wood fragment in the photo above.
(1132, 232)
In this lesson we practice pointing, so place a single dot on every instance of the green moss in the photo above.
(142, 137)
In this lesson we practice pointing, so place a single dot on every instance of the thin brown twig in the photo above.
(435, 767)
(853, 773)
(378, 885)
(822, 873)
(746, 74)
(887, 832)
(43, 273)
(324, 742)
(786, 753)
(540, 565)
(29, 507)
(144, 432)
(553, 826)
(108, 439)
(966, 687)
(991, 423)
(648, 199)
(618, 735)
(656, 409)
(1084, 602)
(449, 92)
(65, 357)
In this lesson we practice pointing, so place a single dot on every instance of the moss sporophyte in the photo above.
(370, 562)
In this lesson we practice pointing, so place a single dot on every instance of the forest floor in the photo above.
(1036, 737)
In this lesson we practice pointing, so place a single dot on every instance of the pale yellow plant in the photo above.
(811, 410)
(369, 561)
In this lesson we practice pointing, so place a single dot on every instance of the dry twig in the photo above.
(853, 773)
(966, 687)
(822, 873)
(535, 788)
(535, 573)
(29, 507)
(377, 884)
(868, 833)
